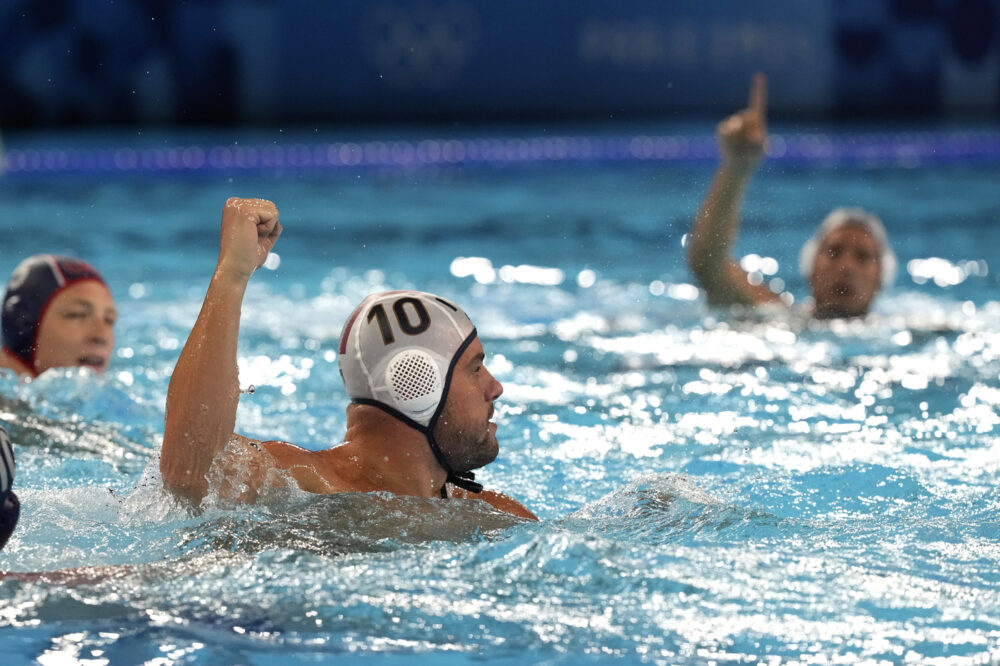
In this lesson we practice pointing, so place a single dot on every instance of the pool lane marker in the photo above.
(906, 149)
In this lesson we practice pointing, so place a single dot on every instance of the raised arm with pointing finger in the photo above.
(847, 261)
(742, 143)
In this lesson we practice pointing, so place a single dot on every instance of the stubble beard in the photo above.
(465, 448)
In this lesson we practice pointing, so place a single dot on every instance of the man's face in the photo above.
(77, 329)
(847, 273)
(464, 431)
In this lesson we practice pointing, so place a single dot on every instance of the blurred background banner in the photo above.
(263, 61)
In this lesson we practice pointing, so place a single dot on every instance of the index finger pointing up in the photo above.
(758, 94)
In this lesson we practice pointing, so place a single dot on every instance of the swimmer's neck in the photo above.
(383, 453)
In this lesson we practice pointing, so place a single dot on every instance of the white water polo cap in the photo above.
(398, 350)
(862, 218)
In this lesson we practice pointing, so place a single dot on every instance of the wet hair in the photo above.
(859, 217)
(30, 290)
(10, 507)
(398, 351)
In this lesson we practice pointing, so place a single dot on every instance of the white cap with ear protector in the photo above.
(397, 348)
(838, 218)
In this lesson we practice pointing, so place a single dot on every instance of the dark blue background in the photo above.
(297, 61)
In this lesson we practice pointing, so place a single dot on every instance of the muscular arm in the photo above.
(741, 145)
(204, 388)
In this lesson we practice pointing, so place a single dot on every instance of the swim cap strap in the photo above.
(466, 481)
(461, 479)
(395, 413)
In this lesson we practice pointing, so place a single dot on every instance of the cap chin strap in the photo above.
(465, 480)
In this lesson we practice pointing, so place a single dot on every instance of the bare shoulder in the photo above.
(313, 471)
(496, 500)
(284, 453)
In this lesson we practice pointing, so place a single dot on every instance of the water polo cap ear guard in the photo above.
(32, 286)
(397, 352)
(838, 218)
(10, 507)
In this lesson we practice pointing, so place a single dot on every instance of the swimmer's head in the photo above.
(398, 351)
(10, 507)
(79, 334)
(847, 261)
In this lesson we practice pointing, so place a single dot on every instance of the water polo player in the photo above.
(10, 507)
(412, 364)
(847, 262)
(57, 312)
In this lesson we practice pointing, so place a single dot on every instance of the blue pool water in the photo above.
(710, 487)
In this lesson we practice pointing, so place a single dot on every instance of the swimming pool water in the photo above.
(711, 487)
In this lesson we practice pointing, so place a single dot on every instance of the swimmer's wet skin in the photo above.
(422, 398)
